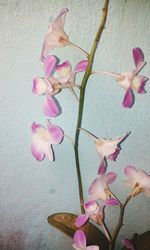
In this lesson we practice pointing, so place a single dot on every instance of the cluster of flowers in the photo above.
(59, 76)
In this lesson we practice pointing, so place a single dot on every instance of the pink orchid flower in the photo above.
(131, 81)
(107, 149)
(138, 180)
(65, 72)
(46, 85)
(80, 242)
(128, 244)
(93, 211)
(99, 189)
(50, 85)
(42, 140)
(56, 36)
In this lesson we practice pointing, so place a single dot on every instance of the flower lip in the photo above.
(138, 180)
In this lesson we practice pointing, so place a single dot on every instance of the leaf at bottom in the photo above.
(65, 223)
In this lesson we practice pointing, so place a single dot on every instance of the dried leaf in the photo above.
(65, 223)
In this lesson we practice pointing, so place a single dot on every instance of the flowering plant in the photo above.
(88, 229)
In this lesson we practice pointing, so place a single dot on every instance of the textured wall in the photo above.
(30, 191)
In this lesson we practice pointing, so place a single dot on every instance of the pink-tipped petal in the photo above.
(128, 98)
(56, 134)
(81, 220)
(128, 244)
(111, 202)
(110, 177)
(39, 86)
(56, 37)
(102, 168)
(50, 107)
(141, 89)
(138, 57)
(81, 66)
(36, 152)
(138, 84)
(130, 171)
(64, 71)
(113, 156)
(79, 239)
(34, 127)
(49, 65)
(59, 21)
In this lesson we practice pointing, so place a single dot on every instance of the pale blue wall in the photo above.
(30, 191)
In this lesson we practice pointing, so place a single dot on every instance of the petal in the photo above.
(130, 171)
(128, 100)
(113, 156)
(50, 107)
(80, 239)
(128, 244)
(39, 86)
(36, 151)
(81, 219)
(110, 177)
(138, 84)
(111, 202)
(59, 21)
(40, 143)
(98, 188)
(81, 66)
(56, 37)
(49, 65)
(94, 247)
(138, 57)
(64, 71)
(35, 126)
(56, 134)
(102, 168)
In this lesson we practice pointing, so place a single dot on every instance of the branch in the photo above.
(82, 95)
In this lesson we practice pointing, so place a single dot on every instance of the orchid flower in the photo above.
(65, 72)
(131, 81)
(127, 243)
(80, 242)
(93, 211)
(99, 189)
(42, 140)
(47, 84)
(107, 149)
(138, 180)
(50, 85)
(56, 36)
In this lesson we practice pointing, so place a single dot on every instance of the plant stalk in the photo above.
(119, 224)
(82, 97)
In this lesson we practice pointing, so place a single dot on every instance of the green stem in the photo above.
(81, 99)
(119, 224)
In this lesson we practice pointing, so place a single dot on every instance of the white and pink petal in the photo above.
(56, 134)
(79, 239)
(110, 177)
(81, 220)
(39, 86)
(49, 65)
(138, 84)
(81, 66)
(50, 107)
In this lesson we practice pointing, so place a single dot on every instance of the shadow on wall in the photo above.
(12, 241)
